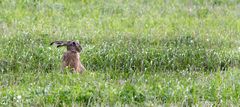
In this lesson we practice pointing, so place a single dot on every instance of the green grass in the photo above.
(107, 88)
(137, 52)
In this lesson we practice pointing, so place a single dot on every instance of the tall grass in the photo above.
(109, 89)
(137, 52)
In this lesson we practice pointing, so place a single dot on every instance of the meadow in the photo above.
(136, 52)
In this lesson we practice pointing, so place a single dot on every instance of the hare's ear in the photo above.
(58, 43)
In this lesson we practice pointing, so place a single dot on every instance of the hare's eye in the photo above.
(74, 43)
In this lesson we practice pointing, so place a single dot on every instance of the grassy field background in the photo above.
(137, 52)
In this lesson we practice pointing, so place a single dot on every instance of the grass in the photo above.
(137, 52)
(107, 88)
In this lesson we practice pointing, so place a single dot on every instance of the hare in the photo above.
(71, 57)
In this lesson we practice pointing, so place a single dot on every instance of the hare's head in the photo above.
(71, 45)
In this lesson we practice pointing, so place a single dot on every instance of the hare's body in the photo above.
(71, 58)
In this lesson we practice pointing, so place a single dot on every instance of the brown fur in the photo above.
(71, 58)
